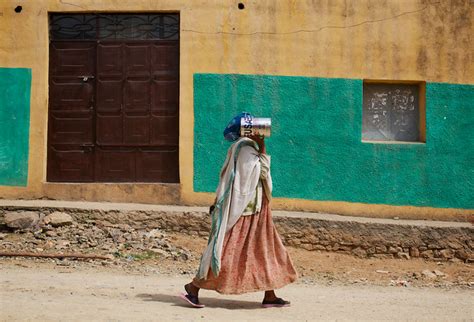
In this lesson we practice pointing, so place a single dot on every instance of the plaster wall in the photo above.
(317, 148)
(358, 39)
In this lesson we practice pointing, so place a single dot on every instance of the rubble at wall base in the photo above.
(359, 239)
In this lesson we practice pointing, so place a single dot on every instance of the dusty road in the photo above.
(62, 294)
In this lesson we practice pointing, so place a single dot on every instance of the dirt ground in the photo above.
(313, 266)
(329, 268)
(144, 287)
(45, 291)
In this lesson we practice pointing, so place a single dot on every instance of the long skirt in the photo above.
(253, 258)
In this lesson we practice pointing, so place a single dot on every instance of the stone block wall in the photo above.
(362, 239)
(378, 240)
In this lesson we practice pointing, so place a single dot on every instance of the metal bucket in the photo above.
(258, 126)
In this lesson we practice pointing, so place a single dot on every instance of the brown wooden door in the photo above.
(120, 124)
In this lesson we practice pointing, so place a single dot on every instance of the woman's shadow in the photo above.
(208, 301)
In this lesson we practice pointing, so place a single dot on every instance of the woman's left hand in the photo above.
(261, 143)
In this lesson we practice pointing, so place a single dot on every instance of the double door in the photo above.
(113, 110)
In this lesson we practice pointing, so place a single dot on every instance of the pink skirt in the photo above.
(253, 258)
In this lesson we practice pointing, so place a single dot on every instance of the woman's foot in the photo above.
(278, 302)
(191, 295)
(271, 300)
(191, 289)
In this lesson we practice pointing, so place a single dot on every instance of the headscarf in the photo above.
(232, 131)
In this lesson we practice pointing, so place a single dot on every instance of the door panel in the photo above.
(136, 130)
(71, 128)
(68, 94)
(115, 165)
(164, 130)
(137, 58)
(157, 165)
(165, 58)
(72, 58)
(110, 58)
(137, 95)
(70, 163)
(165, 97)
(109, 95)
(109, 130)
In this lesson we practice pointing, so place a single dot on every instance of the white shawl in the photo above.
(238, 182)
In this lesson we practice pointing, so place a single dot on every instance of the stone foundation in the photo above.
(378, 240)
(362, 239)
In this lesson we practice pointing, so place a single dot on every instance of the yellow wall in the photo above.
(368, 39)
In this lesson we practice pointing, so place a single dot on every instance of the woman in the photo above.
(244, 251)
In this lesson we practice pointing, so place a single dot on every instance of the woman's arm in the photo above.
(264, 158)
(261, 143)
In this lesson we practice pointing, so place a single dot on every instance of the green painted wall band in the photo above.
(15, 87)
(316, 147)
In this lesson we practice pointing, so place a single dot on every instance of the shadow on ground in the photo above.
(208, 301)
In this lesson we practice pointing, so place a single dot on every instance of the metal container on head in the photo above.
(258, 126)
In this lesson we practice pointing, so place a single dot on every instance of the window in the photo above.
(393, 111)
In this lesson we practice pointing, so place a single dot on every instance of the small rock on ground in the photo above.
(22, 219)
(58, 219)
(428, 274)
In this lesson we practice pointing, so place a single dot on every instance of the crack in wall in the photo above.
(71, 4)
(311, 30)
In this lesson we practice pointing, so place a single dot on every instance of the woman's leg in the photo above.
(192, 289)
(191, 295)
(270, 296)
(271, 300)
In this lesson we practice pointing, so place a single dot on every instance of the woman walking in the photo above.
(244, 251)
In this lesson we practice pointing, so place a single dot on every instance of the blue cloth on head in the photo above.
(232, 131)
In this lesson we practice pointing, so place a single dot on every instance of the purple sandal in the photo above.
(191, 299)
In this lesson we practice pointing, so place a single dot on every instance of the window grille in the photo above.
(114, 26)
(392, 112)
